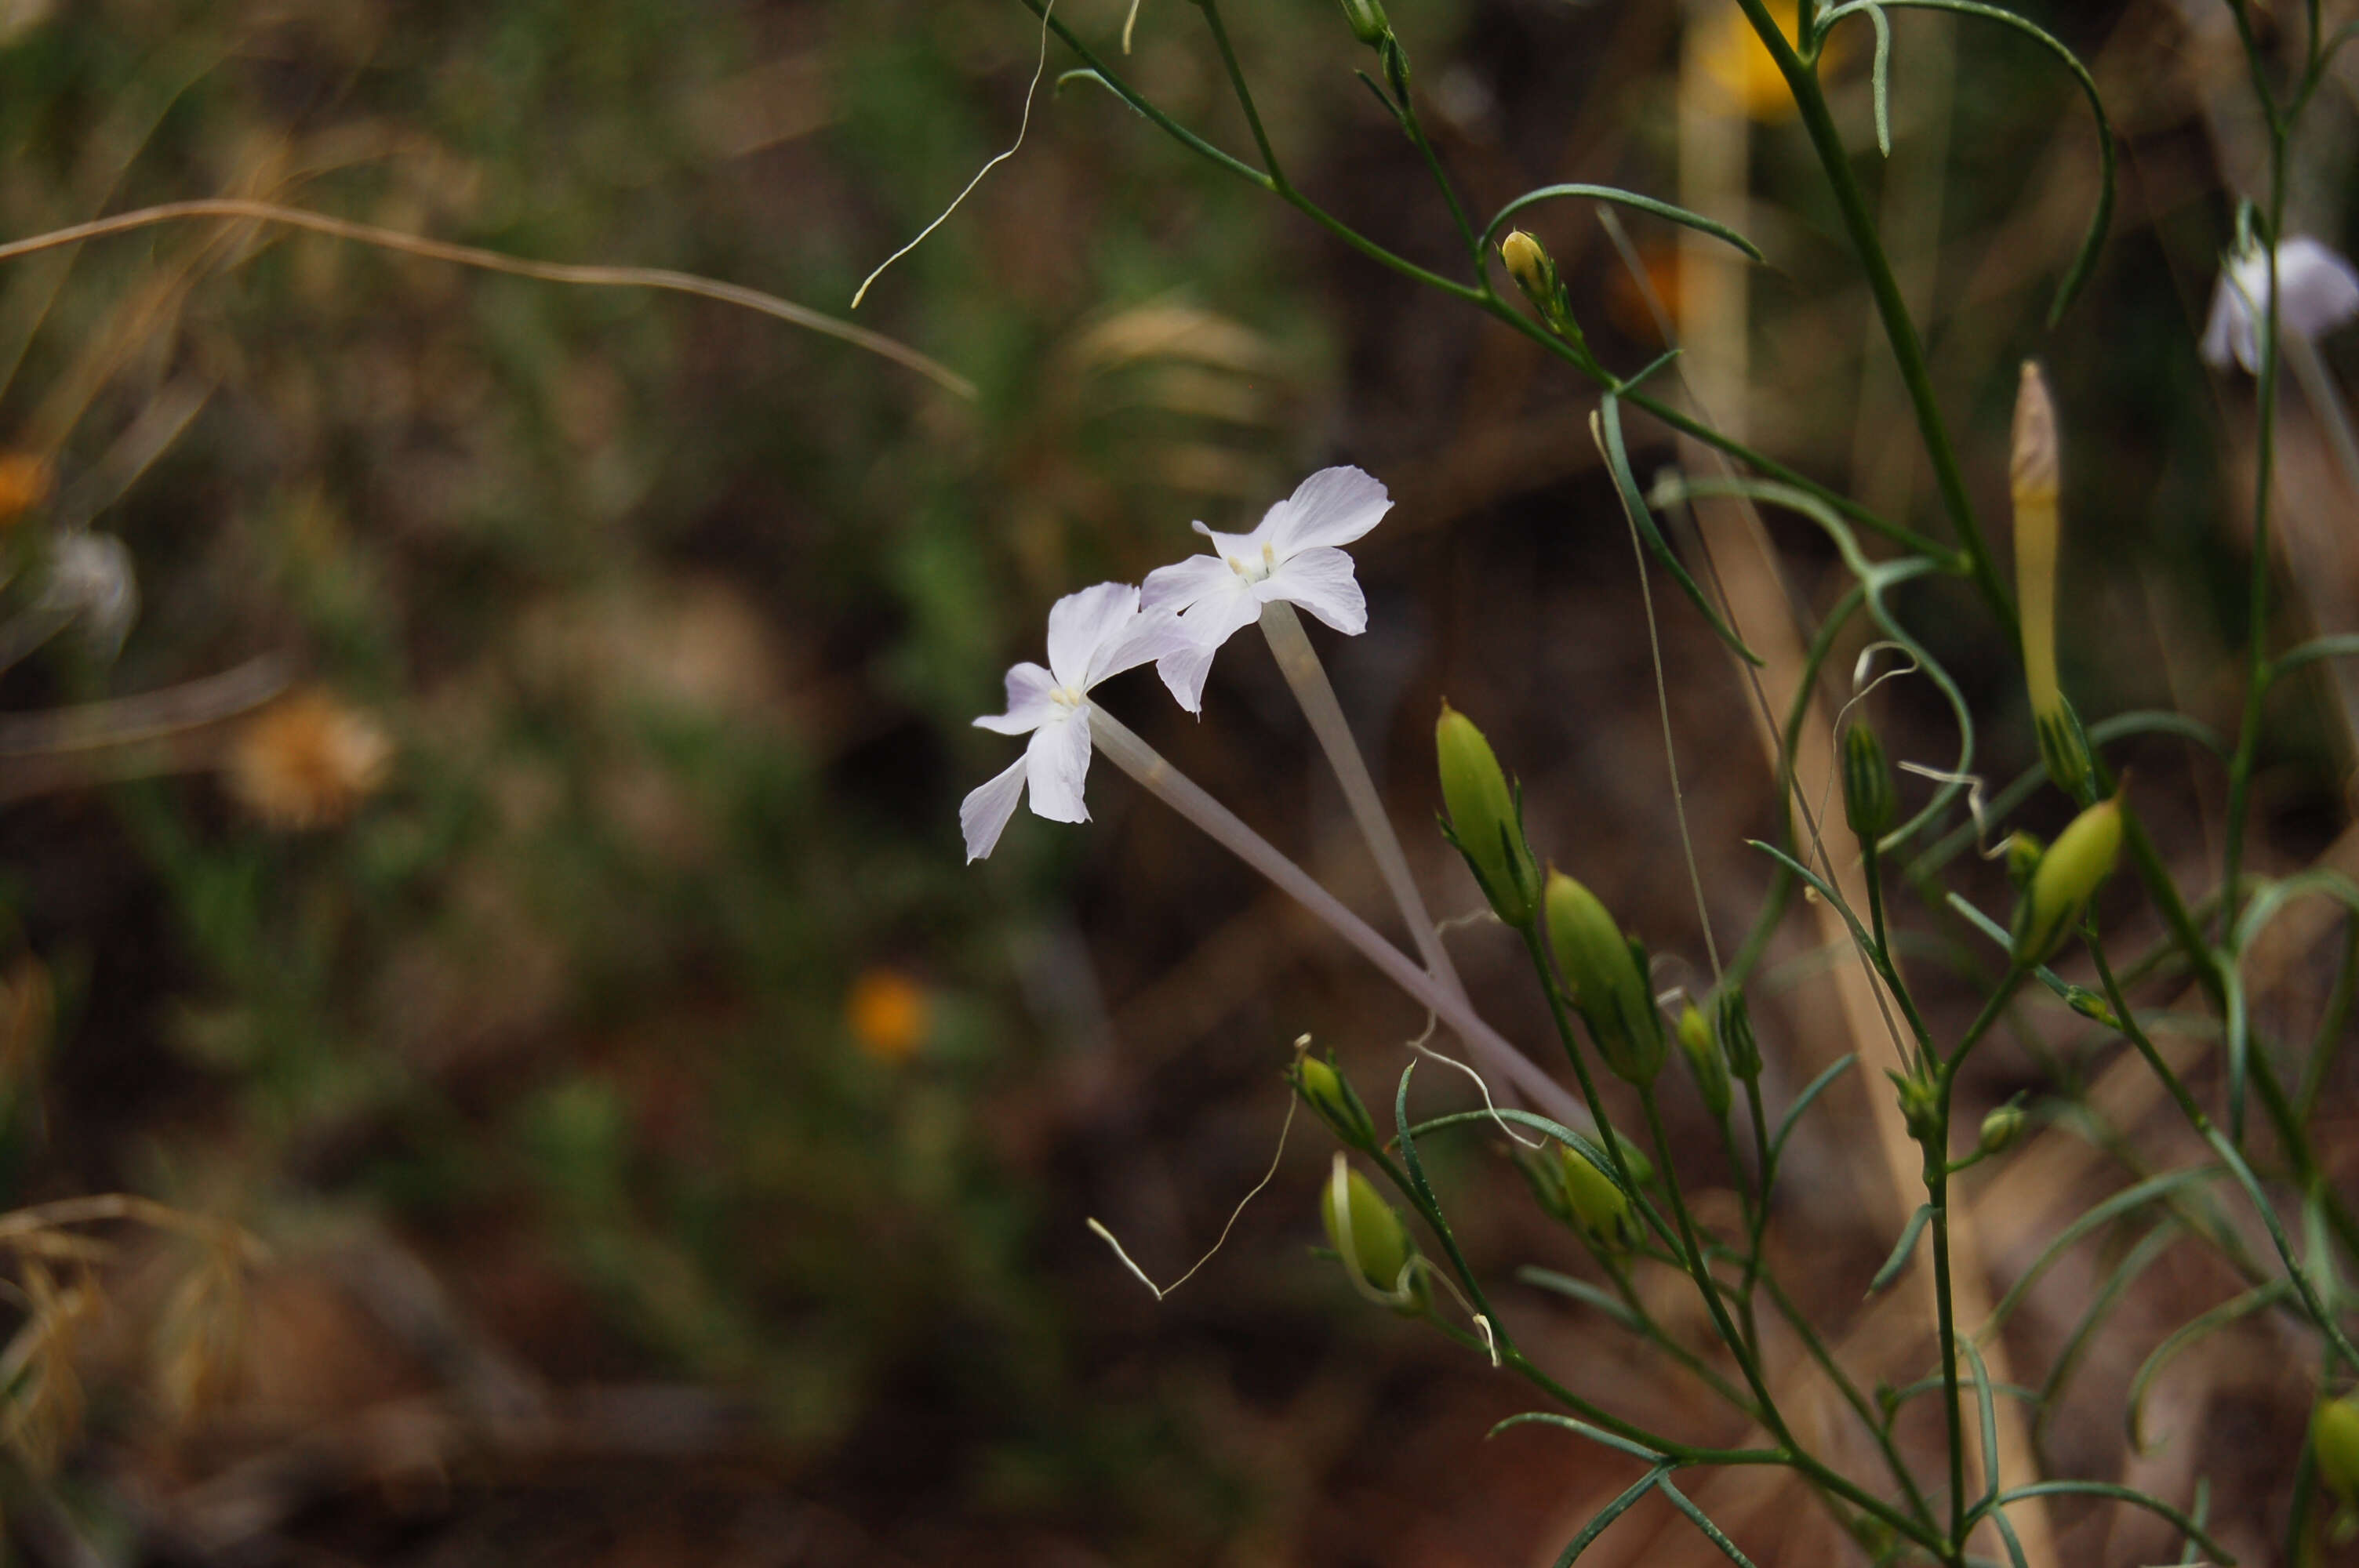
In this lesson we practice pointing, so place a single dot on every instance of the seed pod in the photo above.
(1704, 1060)
(1868, 801)
(1599, 1207)
(1367, 21)
(1485, 822)
(1609, 984)
(1366, 1231)
(2071, 872)
(1733, 1022)
(2001, 1128)
(1329, 1094)
(2334, 1438)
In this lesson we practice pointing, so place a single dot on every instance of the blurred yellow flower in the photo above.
(25, 482)
(889, 1014)
(307, 760)
(1732, 56)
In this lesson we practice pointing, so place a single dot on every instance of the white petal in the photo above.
(1150, 635)
(1182, 583)
(1055, 762)
(983, 814)
(1028, 707)
(1333, 506)
(1080, 624)
(1219, 616)
(2229, 333)
(2322, 292)
(1321, 581)
(1183, 671)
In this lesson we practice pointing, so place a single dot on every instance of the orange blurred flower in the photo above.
(1732, 56)
(307, 760)
(889, 1014)
(24, 484)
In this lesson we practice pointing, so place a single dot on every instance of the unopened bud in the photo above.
(1599, 1207)
(1733, 1022)
(1367, 21)
(1485, 822)
(1704, 1060)
(1366, 1231)
(2001, 1128)
(2071, 872)
(2334, 1438)
(1920, 1110)
(1329, 1094)
(2023, 852)
(1608, 982)
(2033, 471)
(1868, 803)
(1534, 270)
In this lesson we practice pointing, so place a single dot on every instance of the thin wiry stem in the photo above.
(662, 278)
(1493, 1053)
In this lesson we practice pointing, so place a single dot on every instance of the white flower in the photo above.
(1290, 555)
(1092, 634)
(2322, 292)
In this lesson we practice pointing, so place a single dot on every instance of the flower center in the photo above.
(1069, 696)
(1255, 571)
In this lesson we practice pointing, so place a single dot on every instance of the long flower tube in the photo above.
(1493, 1053)
(1299, 662)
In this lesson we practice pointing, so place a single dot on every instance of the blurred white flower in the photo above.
(2322, 292)
(92, 580)
(1094, 634)
(1292, 555)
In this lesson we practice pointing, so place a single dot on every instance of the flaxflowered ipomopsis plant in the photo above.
(1598, 1152)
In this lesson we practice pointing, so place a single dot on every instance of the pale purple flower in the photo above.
(1292, 555)
(2322, 292)
(1092, 634)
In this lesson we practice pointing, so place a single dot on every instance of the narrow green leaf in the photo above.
(1596, 1434)
(1610, 1512)
(1712, 1531)
(1664, 210)
(2085, 262)
(1642, 517)
(2188, 1527)
(2195, 1329)
(1883, 80)
(1582, 1292)
(1901, 1250)
(1811, 1091)
(2102, 1214)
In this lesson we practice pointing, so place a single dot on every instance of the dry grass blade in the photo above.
(584, 276)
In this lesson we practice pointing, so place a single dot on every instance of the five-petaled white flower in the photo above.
(2322, 292)
(1292, 555)
(1092, 634)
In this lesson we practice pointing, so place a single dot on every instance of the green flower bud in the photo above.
(2334, 1438)
(2081, 858)
(1534, 270)
(1329, 1094)
(1367, 21)
(1485, 822)
(1919, 1105)
(1704, 1060)
(1868, 802)
(2001, 1128)
(2023, 852)
(1600, 1208)
(1608, 981)
(1733, 1022)
(1377, 1243)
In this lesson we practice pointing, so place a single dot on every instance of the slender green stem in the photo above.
(1799, 1322)
(1892, 307)
(2248, 734)
(1937, 1184)
(1212, 9)
(1691, 1254)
